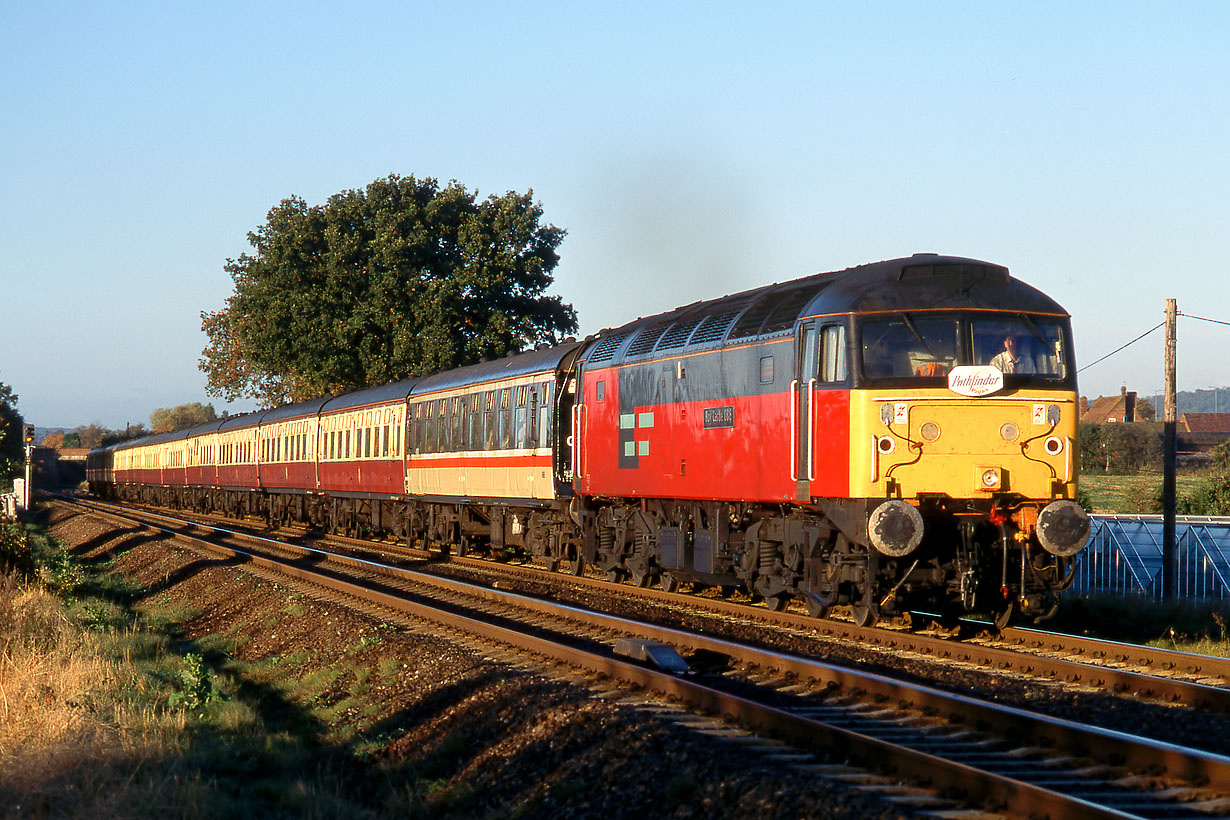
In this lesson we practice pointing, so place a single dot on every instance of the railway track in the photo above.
(1143, 673)
(991, 755)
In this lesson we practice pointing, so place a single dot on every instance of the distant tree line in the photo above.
(1138, 448)
(162, 420)
(1118, 448)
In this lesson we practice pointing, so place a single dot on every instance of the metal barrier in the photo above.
(1124, 557)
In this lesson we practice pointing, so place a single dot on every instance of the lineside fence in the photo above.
(1124, 557)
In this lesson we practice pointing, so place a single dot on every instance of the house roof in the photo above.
(1205, 422)
(1106, 408)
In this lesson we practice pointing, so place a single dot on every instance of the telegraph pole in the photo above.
(1170, 456)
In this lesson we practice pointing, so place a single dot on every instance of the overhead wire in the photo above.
(1146, 333)
(1201, 318)
(1116, 350)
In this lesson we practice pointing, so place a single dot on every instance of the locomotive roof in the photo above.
(518, 364)
(919, 282)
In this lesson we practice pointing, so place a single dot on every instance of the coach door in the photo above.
(802, 410)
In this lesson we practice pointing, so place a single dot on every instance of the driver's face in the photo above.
(1010, 343)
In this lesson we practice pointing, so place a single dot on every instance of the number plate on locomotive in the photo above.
(716, 417)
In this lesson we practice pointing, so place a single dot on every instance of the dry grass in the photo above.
(65, 730)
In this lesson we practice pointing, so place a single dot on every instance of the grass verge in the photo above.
(107, 710)
(1129, 494)
(1180, 626)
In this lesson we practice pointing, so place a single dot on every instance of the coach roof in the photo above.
(381, 394)
(518, 364)
(293, 411)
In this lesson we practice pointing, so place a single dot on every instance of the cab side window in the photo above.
(833, 353)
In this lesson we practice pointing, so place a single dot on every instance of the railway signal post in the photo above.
(27, 438)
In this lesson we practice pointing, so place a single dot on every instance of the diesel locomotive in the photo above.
(894, 436)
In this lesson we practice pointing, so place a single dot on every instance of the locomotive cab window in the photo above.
(1022, 347)
(833, 353)
(906, 346)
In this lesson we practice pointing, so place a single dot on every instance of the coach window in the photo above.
(521, 433)
(444, 430)
(489, 420)
(506, 426)
(533, 417)
(429, 427)
(544, 417)
(833, 354)
(459, 423)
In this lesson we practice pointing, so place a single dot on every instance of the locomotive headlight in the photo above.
(1053, 446)
(1009, 431)
(930, 431)
(989, 478)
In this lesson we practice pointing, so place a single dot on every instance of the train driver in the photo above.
(1009, 360)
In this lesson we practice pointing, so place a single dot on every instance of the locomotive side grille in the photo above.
(678, 335)
(645, 340)
(713, 328)
(790, 306)
(776, 310)
(604, 351)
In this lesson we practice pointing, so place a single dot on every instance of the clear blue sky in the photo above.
(689, 149)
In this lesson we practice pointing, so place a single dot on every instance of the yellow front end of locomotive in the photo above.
(924, 443)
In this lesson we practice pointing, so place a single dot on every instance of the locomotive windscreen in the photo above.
(906, 346)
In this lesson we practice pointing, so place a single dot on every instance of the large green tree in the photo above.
(399, 279)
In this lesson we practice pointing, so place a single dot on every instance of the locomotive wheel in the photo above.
(668, 582)
(814, 608)
(864, 614)
(640, 578)
(776, 603)
(1004, 616)
(578, 566)
(614, 575)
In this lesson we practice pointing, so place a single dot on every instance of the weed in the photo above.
(196, 685)
(363, 643)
